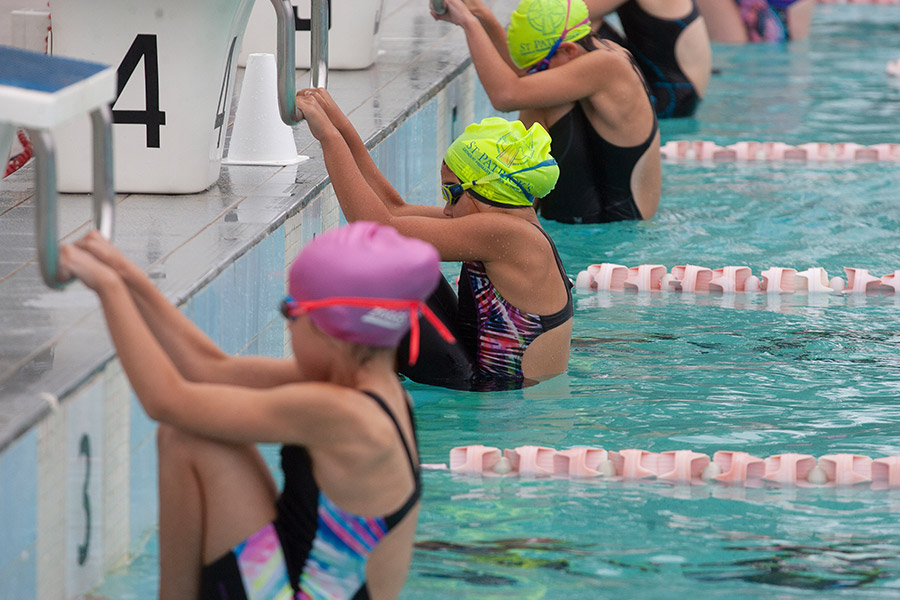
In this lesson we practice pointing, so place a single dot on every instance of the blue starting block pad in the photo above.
(41, 92)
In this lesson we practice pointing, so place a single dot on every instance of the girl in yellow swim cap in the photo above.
(587, 93)
(513, 313)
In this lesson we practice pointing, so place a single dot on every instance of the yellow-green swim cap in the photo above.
(504, 162)
(536, 25)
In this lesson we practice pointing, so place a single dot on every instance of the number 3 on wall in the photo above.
(85, 450)
(143, 46)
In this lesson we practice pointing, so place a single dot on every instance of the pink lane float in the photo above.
(677, 466)
(686, 150)
(893, 68)
(692, 279)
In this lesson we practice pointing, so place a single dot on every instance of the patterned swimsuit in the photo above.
(313, 549)
(495, 332)
(766, 20)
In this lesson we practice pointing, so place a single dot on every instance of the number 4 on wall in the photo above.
(143, 46)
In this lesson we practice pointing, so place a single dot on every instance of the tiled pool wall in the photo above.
(78, 493)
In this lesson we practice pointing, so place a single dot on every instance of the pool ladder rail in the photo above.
(677, 466)
(286, 55)
(40, 92)
(611, 277)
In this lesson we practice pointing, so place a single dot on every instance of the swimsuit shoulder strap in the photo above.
(564, 314)
(559, 264)
(395, 517)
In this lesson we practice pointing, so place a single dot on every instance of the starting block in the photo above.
(40, 92)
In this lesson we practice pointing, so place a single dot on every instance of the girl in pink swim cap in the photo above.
(343, 524)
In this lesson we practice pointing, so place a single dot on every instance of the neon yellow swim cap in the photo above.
(536, 25)
(503, 162)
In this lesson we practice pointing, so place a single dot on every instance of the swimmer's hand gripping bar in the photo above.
(45, 171)
(285, 55)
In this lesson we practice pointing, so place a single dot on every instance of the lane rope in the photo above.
(816, 152)
(610, 277)
(677, 466)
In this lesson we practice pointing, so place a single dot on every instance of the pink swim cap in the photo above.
(365, 283)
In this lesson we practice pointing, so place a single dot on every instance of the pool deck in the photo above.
(52, 341)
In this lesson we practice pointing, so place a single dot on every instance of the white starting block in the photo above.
(176, 63)
(38, 93)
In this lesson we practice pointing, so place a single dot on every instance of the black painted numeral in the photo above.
(143, 46)
(223, 98)
(86, 451)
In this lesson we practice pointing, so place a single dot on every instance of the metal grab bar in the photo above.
(286, 55)
(438, 7)
(45, 191)
(318, 39)
(104, 192)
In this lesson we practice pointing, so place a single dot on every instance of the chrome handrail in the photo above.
(318, 39)
(286, 55)
(104, 191)
(45, 191)
(45, 201)
(438, 7)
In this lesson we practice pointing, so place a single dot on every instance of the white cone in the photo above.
(259, 136)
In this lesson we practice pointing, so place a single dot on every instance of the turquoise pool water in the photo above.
(668, 371)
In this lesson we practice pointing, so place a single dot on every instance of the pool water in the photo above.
(762, 374)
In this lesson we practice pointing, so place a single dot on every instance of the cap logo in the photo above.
(388, 319)
(515, 151)
(548, 18)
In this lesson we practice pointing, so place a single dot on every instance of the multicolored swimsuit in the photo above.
(495, 332)
(313, 549)
(766, 20)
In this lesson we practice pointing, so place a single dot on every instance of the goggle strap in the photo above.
(530, 197)
(414, 306)
(413, 335)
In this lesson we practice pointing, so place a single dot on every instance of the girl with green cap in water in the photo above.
(513, 314)
(588, 94)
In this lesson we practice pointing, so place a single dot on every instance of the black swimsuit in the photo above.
(594, 183)
(595, 175)
(652, 42)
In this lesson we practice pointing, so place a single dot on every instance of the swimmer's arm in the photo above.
(597, 9)
(308, 414)
(480, 237)
(358, 200)
(388, 195)
(195, 355)
(375, 179)
(508, 92)
(291, 413)
(495, 31)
